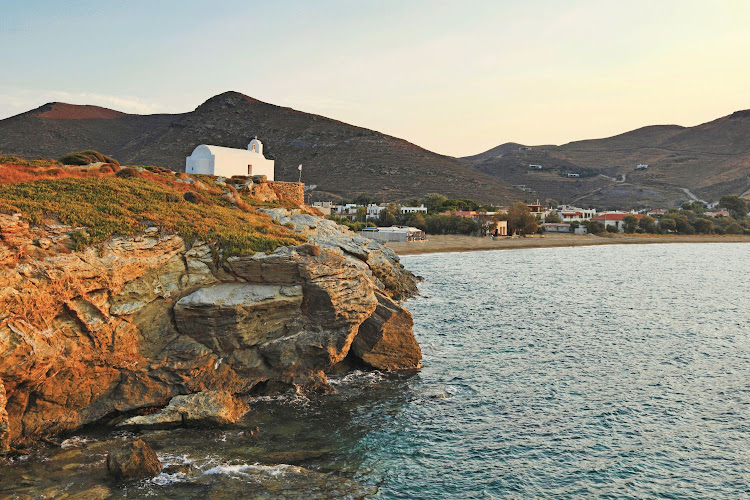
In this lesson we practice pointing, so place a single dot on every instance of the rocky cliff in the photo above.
(132, 322)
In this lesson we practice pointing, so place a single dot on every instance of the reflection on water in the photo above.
(619, 371)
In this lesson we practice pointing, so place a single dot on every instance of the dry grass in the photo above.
(105, 205)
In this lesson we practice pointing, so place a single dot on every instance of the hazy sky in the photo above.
(455, 77)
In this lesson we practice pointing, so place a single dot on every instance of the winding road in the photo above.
(693, 197)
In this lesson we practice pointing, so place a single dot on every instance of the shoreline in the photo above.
(457, 243)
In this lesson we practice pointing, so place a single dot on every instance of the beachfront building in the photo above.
(568, 213)
(555, 227)
(488, 219)
(615, 219)
(228, 162)
(393, 233)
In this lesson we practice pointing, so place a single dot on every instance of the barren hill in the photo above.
(708, 160)
(339, 159)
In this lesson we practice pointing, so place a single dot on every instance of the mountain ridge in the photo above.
(340, 160)
(710, 159)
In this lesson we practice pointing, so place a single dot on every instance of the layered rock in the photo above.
(202, 409)
(135, 322)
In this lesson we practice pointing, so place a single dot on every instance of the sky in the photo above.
(454, 77)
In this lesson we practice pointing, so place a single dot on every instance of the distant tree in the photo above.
(594, 226)
(703, 226)
(361, 214)
(520, 219)
(389, 215)
(416, 220)
(629, 223)
(733, 228)
(612, 229)
(736, 206)
(667, 225)
(434, 202)
(574, 225)
(364, 199)
(647, 224)
(553, 218)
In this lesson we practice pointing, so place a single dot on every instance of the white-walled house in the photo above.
(373, 210)
(218, 160)
(414, 210)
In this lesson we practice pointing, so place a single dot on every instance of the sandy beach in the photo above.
(453, 243)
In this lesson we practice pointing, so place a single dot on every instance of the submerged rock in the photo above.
(132, 461)
(203, 409)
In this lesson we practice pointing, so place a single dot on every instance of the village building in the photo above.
(641, 166)
(535, 167)
(324, 207)
(393, 233)
(494, 227)
(555, 227)
(414, 210)
(373, 210)
(348, 211)
(655, 213)
(569, 213)
(228, 162)
(615, 219)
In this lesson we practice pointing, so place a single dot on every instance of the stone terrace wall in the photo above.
(295, 191)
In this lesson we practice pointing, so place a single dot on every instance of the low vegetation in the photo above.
(87, 157)
(100, 204)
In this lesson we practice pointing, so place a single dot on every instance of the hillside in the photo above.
(340, 160)
(708, 160)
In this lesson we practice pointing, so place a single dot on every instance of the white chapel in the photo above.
(218, 160)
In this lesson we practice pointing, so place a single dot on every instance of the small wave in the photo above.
(245, 469)
(371, 377)
(75, 442)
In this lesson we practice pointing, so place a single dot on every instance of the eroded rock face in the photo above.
(135, 322)
(381, 342)
(203, 409)
(133, 461)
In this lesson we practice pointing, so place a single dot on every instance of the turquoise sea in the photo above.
(616, 371)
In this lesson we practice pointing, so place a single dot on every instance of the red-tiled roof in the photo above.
(604, 217)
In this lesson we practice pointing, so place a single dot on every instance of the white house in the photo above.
(641, 166)
(218, 160)
(413, 210)
(373, 210)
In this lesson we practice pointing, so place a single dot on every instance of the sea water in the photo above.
(613, 371)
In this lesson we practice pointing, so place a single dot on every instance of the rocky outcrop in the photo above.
(133, 461)
(136, 322)
(203, 409)
(378, 261)
(381, 343)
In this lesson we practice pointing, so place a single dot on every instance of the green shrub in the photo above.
(87, 157)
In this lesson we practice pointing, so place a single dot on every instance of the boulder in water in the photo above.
(133, 461)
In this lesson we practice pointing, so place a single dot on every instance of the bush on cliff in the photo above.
(86, 158)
